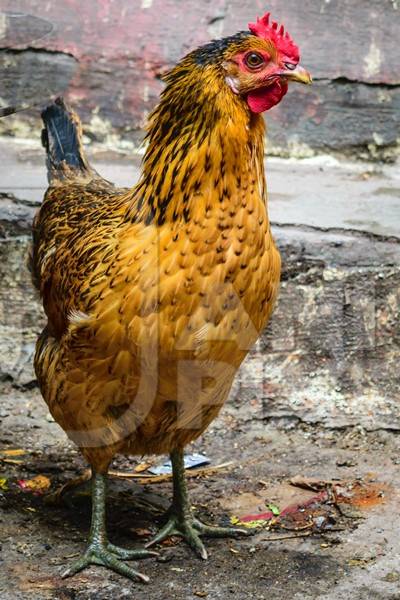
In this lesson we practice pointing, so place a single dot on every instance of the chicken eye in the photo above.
(290, 66)
(254, 60)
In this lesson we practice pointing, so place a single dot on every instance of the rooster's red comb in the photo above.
(271, 30)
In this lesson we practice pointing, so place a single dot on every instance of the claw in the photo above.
(190, 529)
(131, 554)
(167, 531)
(197, 545)
(222, 532)
(99, 550)
(79, 565)
(181, 519)
(109, 556)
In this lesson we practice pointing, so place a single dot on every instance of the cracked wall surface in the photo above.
(124, 47)
(331, 353)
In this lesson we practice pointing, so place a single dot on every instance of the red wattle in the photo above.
(265, 98)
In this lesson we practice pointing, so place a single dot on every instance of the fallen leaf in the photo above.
(142, 467)
(392, 577)
(274, 509)
(171, 541)
(310, 483)
(16, 452)
(359, 562)
(255, 524)
(37, 485)
(141, 532)
(3, 484)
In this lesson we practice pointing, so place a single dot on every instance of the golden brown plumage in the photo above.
(155, 294)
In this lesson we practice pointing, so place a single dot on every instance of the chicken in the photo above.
(154, 295)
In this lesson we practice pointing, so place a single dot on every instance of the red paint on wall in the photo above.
(124, 45)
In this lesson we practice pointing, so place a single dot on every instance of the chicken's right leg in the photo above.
(181, 520)
(99, 550)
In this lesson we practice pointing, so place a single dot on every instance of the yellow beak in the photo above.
(298, 74)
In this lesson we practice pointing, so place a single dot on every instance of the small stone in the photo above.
(392, 577)
(166, 557)
(319, 521)
(346, 463)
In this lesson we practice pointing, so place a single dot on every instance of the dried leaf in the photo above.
(171, 541)
(256, 524)
(312, 484)
(16, 452)
(3, 484)
(37, 485)
(142, 467)
(141, 532)
(359, 562)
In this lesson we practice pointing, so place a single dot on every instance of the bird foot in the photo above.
(110, 556)
(190, 529)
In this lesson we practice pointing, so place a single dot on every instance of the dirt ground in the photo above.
(357, 557)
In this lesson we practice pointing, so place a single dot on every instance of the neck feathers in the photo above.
(205, 148)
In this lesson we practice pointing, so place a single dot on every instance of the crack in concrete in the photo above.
(343, 80)
(35, 50)
(340, 230)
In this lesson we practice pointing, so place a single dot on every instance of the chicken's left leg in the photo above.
(99, 550)
(182, 522)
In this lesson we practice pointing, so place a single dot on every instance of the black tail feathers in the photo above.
(62, 138)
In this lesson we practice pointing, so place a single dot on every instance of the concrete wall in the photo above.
(112, 54)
